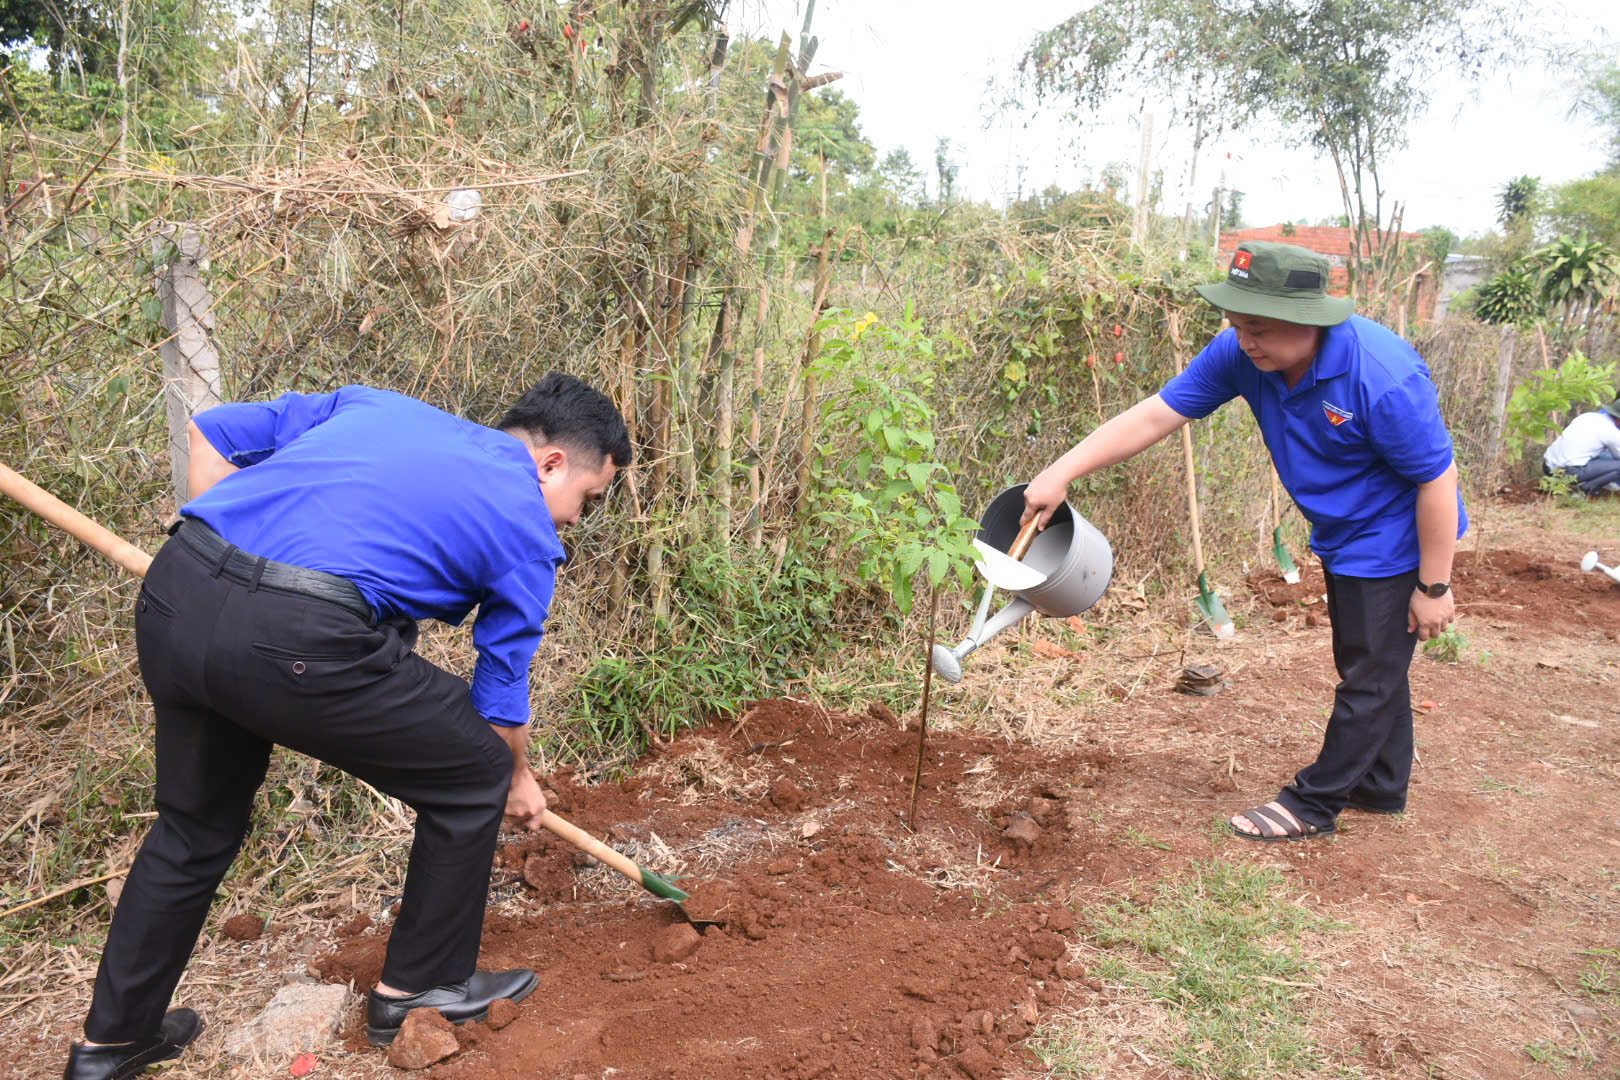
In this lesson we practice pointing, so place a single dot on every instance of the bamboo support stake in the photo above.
(922, 720)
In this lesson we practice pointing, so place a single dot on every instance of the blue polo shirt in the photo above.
(1351, 441)
(428, 514)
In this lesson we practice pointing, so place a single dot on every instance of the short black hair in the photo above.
(565, 410)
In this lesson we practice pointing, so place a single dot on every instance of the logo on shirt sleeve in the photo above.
(1336, 415)
(1240, 264)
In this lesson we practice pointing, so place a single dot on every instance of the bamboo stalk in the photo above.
(812, 350)
(685, 372)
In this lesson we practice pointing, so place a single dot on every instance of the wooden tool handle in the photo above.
(1026, 536)
(64, 517)
(590, 845)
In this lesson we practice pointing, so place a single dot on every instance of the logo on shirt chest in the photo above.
(1336, 415)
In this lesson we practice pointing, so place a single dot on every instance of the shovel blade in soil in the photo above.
(661, 886)
(1285, 561)
(1214, 612)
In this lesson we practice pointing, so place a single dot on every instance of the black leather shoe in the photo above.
(459, 1002)
(180, 1027)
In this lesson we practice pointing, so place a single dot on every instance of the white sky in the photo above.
(919, 69)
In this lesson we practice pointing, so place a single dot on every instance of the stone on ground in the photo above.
(300, 1018)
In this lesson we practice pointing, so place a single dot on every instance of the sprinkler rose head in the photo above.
(946, 664)
(1588, 564)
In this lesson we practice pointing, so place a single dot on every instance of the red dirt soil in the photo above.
(1496, 584)
(840, 954)
(850, 946)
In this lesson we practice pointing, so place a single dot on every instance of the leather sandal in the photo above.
(1262, 816)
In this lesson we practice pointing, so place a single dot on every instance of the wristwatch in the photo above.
(1437, 590)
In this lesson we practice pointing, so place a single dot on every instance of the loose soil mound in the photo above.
(1551, 592)
(851, 946)
(1537, 589)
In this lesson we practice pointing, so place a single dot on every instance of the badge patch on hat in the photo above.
(1336, 415)
(1240, 264)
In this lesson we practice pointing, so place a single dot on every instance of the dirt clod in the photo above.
(712, 902)
(977, 1062)
(676, 942)
(879, 711)
(501, 1013)
(243, 927)
(1023, 832)
(787, 796)
(357, 925)
(1059, 920)
(1047, 946)
(425, 1038)
(923, 1034)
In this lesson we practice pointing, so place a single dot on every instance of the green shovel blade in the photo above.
(1210, 606)
(661, 886)
(1285, 561)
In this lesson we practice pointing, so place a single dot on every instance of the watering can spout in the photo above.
(948, 662)
(1589, 562)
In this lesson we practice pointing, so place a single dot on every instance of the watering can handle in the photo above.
(1026, 536)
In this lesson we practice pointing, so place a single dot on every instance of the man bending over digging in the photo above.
(282, 611)
(1349, 414)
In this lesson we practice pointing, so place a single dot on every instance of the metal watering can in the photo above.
(1072, 564)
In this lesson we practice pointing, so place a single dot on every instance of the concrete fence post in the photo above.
(190, 361)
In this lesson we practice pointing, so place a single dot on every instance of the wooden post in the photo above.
(1504, 371)
(190, 362)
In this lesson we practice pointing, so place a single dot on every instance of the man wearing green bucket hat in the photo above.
(1351, 418)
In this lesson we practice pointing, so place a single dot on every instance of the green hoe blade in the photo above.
(1285, 561)
(661, 886)
(1210, 606)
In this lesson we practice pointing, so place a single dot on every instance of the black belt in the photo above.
(232, 562)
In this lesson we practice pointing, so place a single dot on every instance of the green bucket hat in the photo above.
(1279, 281)
(1613, 408)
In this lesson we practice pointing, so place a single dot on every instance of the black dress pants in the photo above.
(1366, 754)
(233, 669)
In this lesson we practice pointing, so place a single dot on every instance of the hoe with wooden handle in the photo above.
(131, 558)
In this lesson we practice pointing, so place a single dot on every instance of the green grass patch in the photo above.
(1550, 1055)
(1601, 978)
(1066, 1050)
(1220, 950)
(742, 629)
(1134, 837)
